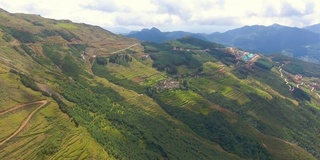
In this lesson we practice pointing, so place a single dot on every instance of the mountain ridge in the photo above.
(297, 42)
(270, 35)
(155, 35)
(314, 28)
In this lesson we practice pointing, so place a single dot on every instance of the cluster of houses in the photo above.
(188, 49)
(298, 77)
(241, 55)
(145, 56)
(168, 83)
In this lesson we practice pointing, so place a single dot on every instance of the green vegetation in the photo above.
(102, 61)
(264, 63)
(47, 33)
(7, 37)
(295, 66)
(215, 127)
(271, 79)
(28, 82)
(70, 67)
(197, 43)
(169, 60)
(120, 59)
(78, 47)
(67, 25)
(102, 71)
(22, 36)
(131, 133)
(42, 140)
(68, 36)
(53, 55)
(301, 95)
(27, 49)
(149, 101)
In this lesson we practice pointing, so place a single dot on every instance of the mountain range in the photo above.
(76, 91)
(301, 43)
(155, 35)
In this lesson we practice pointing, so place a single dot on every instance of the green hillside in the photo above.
(75, 91)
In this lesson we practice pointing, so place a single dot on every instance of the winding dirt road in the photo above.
(102, 55)
(291, 88)
(299, 84)
(25, 121)
(124, 48)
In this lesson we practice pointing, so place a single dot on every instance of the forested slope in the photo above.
(110, 97)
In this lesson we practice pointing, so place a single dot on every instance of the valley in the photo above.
(75, 91)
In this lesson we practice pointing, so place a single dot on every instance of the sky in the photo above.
(200, 16)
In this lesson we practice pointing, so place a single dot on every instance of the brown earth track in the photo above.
(120, 50)
(25, 121)
(89, 64)
(17, 107)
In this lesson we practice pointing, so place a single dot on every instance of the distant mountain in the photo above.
(313, 28)
(155, 35)
(268, 39)
(303, 43)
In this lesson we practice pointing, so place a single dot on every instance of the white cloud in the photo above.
(174, 14)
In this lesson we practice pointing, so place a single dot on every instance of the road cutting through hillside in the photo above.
(123, 49)
(94, 56)
(291, 88)
(25, 121)
(17, 107)
(299, 84)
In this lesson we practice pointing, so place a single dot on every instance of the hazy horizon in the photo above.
(197, 16)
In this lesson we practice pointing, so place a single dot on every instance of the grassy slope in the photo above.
(237, 88)
(187, 99)
(151, 107)
(137, 120)
(232, 88)
(135, 71)
(49, 133)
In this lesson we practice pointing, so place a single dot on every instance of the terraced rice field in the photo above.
(189, 100)
(10, 121)
(235, 95)
(52, 135)
(137, 72)
(197, 84)
(14, 93)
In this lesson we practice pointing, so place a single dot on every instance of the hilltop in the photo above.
(155, 35)
(75, 91)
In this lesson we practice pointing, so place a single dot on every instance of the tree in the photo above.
(101, 61)
(171, 69)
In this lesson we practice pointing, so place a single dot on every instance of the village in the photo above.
(242, 55)
(168, 83)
